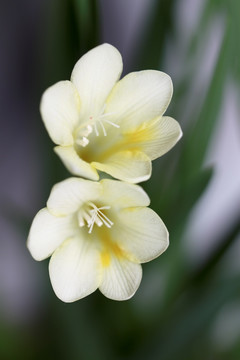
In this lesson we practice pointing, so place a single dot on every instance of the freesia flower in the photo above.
(101, 123)
(97, 234)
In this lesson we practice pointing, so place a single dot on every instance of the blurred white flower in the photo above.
(97, 234)
(104, 124)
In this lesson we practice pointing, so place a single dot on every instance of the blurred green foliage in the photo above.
(173, 318)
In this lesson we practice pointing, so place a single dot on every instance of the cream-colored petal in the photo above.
(159, 137)
(121, 195)
(155, 137)
(69, 195)
(140, 233)
(60, 108)
(139, 97)
(94, 75)
(75, 269)
(120, 279)
(131, 166)
(47, 233)
(75, 164)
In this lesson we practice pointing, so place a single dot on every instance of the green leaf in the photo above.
(197, 138)
(153, 40)
(177, 332)
(86, 14)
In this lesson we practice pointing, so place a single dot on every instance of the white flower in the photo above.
(100, 123)
(97, 234)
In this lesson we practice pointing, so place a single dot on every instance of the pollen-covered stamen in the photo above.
(87, 127)
(83, 216)
(82, 134)
(91, 214)
(98, 217)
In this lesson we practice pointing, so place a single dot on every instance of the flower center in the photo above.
(93, 123)
(91, 214)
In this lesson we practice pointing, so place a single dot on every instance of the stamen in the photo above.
(87, 130)
(103, 207)
(98, 222)
(103, 128)
(83, 142)
(107, 114)
(96, 130)
(98, 217)
(82, 134)
(112, 123)
(83, 215)
(103, 216)
(91, 223)
(102, 116)
(83, 131)
(80, 220)
(107, 222)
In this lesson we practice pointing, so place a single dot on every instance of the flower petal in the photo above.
(121, 195)
(74, 163)
(67, 196)
(94, 75)
(141, 234)
(156, 137)
(139, 97)
(60, 107)
(120, 279)
(75, 269)
(132, 166)
(47, 233)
